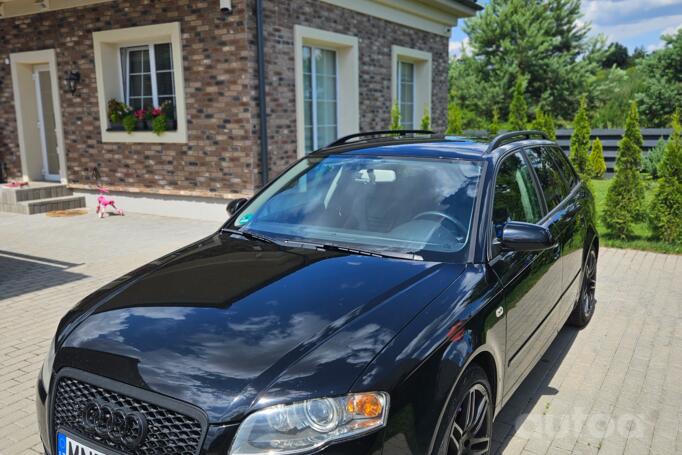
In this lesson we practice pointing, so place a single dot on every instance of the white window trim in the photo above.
(26, 110)
(109, 74)
(422, 78)
(347, 80)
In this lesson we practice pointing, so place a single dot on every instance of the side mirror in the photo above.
(235, 204)
(518, 236)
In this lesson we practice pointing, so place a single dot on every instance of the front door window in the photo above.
(319, 97)
(515, 196)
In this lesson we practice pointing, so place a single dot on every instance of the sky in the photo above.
(633, 23)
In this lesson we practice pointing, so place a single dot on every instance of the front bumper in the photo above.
(217, 438)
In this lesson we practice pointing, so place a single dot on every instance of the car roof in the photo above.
(452, 147)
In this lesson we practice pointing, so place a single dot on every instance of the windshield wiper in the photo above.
(250, 235)
(360, 251)
(324, 246)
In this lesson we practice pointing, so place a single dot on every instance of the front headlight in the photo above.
(311, 424)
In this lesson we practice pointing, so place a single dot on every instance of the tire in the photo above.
(584, 307)
(459, 434)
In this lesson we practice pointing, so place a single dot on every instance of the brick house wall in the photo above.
(221, 157)
(376, 36)
(220, 89)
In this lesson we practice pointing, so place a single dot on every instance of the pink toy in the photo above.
(103, 202)
(15, 184)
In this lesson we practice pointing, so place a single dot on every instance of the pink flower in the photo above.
(140, 114)
(157, 111)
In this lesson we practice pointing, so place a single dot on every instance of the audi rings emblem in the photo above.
(117, 425)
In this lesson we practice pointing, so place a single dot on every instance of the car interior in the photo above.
(389, 199)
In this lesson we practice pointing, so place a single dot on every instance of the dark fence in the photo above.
(610, 138)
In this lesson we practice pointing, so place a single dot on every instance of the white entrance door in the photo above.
(46, 122)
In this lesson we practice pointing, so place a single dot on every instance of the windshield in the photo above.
(381, 204)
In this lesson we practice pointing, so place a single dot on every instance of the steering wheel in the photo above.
(458, 224)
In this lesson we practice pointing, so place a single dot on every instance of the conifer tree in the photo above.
(426, 119)
(580, 140)
(395, 118)
(545, 123)
(454, 120)
(539, 122)
(549, 127)
(494, 127)
(518, 109)
(666, 208)
(625, 197)
(597, 162)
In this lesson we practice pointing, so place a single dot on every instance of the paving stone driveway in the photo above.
(615, 387)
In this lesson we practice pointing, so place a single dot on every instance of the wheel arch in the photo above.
(486, 360)
(592, 239)
(484, 357)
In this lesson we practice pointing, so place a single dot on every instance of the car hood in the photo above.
(231, 325)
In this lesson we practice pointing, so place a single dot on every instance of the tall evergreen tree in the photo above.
(666, 207)
(625, 197)
(518, 109)
(580, 140)
(661, 91)
(545, 40)
(454, 120)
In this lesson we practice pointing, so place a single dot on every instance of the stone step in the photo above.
(36, 206)
(32, 192)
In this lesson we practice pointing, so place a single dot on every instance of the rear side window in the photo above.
(551, 180)
(564, 166)
(515, 196)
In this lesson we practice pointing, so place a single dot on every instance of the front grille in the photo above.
(168, 431)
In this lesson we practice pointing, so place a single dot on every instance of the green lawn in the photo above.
(642, 239)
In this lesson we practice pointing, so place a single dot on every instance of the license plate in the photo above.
(67, 445)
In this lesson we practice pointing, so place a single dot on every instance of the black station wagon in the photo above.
(386, 294)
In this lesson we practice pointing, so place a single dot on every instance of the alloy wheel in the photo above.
(470, 431)
(587, 293)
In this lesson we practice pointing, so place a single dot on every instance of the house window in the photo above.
(327, 87)
(319, 97)
(406, 93)
(148, 74)
(141, 67)
(411, 84)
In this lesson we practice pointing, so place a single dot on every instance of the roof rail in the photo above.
(514, 136)
(369, 134)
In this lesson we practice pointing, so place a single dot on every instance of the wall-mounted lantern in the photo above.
(72, 80)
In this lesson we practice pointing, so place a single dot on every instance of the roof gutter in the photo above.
(461, 8)
(261, 94)
(471, 4)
